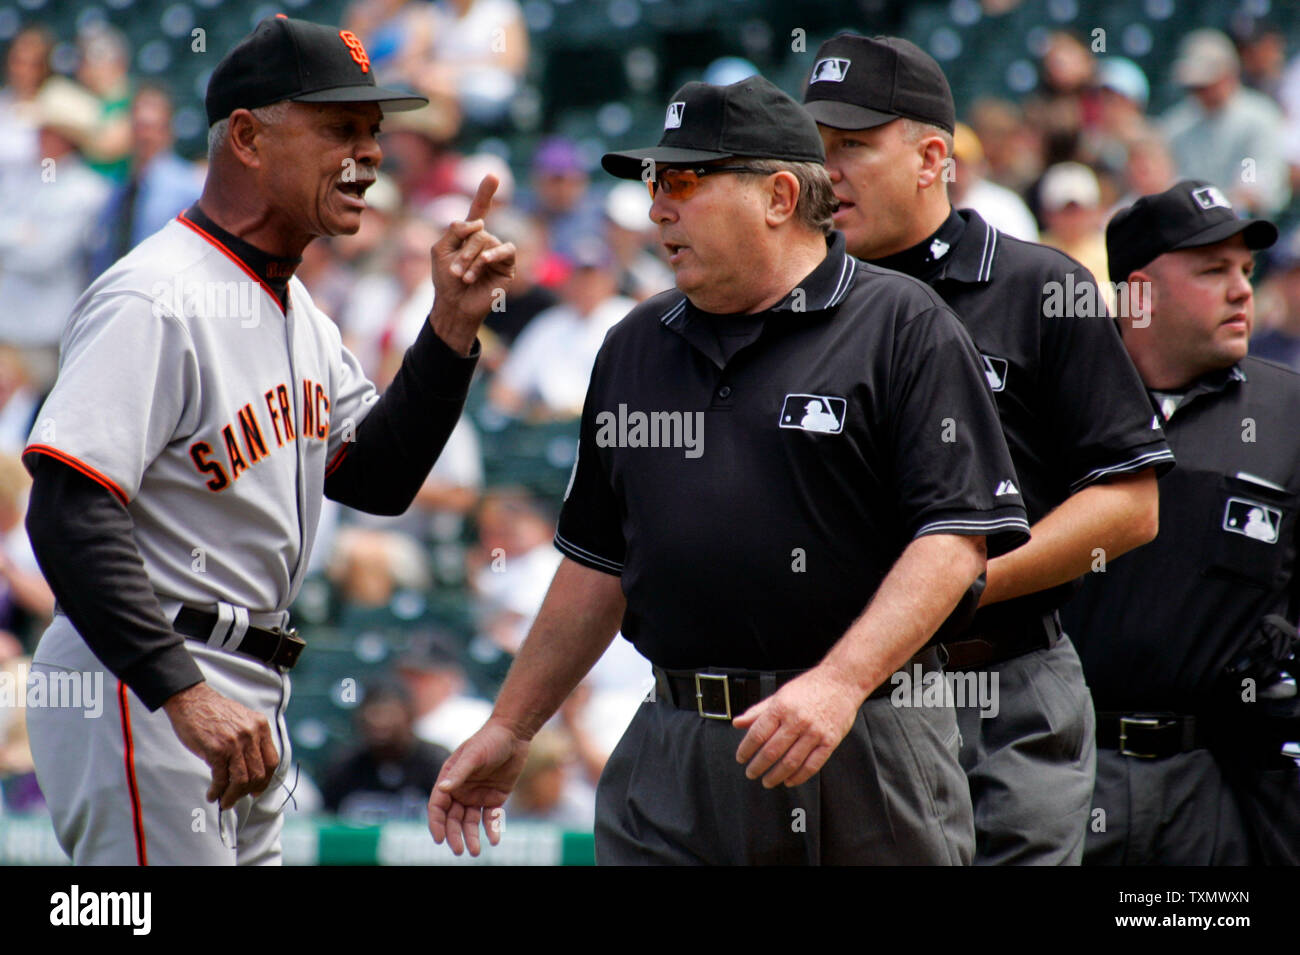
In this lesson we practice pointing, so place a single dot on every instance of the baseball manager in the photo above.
(203, 406)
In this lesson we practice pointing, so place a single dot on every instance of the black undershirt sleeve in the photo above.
(81, 535)
(403, 434)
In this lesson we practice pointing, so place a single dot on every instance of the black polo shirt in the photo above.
(851, 418)
(1160, 624)
(1071, 403)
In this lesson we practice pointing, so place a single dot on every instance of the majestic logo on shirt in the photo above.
(1207, 197)
(814, 413)
(995, 370)
(673, 120)
(1252, 519)
(1005, 488)
(830, 70)
(938, 249)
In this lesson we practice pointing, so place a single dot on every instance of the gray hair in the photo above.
(220, 131)
(816, 194)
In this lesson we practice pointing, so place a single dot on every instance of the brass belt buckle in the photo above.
(1146, 722)
(288, 647)
(726, 696)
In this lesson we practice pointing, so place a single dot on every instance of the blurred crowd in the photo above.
(413, 620)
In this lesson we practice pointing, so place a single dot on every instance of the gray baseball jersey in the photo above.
(179, 371)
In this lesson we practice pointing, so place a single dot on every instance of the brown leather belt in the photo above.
(276, 647)
(721, 694)
(985, 649)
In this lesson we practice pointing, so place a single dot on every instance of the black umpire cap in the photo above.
(751, 118)
(860, 82)
(284, 59)
(1188, 215)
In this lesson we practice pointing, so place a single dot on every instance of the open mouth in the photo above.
(675, 249)
(844, 206)
(354, 192)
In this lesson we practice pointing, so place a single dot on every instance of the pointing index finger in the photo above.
(478, 208)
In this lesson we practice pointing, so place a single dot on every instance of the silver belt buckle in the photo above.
(1147, 722)
(726, 696)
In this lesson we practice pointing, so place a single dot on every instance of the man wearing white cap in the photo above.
(1223, 133)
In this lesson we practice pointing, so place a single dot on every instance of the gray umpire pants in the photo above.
(1185, 810)
(892, 793)
(1031, 767)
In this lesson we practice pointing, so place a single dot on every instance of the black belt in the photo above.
(721, 694)
(983, 649)
(278, 647)
(1149, 735)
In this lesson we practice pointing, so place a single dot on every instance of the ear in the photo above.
(933, 152)
(1140, 291)
(782, 198)
(244, 130)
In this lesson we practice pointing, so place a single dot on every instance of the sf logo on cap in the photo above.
(1207, 197)
(830, 70)
(353, 43)
(673, 120)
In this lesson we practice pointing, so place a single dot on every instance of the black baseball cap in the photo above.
(300, 61)
(858, 82)
(751, 117)
(1188, 215)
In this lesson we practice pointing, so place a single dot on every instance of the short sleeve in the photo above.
(590, 528)
(952, 470)
(127, 387)
(1099, 414)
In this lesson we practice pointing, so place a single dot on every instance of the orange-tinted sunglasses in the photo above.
(682, 183)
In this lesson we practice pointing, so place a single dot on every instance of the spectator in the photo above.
(104, 70)
(46, 225)
(546, 375)
(159, 184)
(26, 601)
(1281, 341)
(512, 567)
(477, 53)
(432, 673)
(632, 235)
(548, 790)
(1262, 49)
(389, 775)
(561, 198)
(1013, 148)
(1071, 200)
(19, 402)
(1148, 169)
(527, 297)
(1066, 102)
(1223, 133)
(27, 67)
(997, 205)
(1122, 120)
(369, 568)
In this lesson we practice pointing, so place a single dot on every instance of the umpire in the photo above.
(1188, 643)
(1076, 420)
(821, 394)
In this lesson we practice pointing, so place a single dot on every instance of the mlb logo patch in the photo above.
(1207, 197)
(995, 370)
(673, 120)
(1252, 519)
(820, 413)
(830, 70)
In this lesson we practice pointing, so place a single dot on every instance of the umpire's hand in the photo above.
(478, 776)
(232, 739)
(472, 270)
